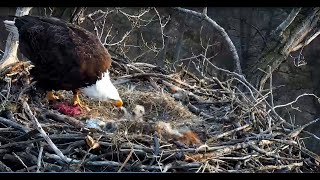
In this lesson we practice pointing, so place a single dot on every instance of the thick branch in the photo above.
(284, 25)
(308, 41)
(221, 31)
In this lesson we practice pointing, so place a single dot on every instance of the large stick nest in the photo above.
(170, 123)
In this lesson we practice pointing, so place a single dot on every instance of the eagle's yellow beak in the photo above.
(119, 103)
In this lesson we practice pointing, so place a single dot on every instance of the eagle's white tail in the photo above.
(10, 26)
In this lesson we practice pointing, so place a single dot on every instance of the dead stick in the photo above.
(126, 161)
(104, 163)
(63, 118)
(117, 164)
(26, 136)
(19, 143)
(297, 131)
(39, 158)
(49, 166)
(13, 124)
(232, 131)
(156, 148)
(4, 168)
(15, 155)
(238, 158)
(289, 166)
(44, 134)
(27, 169)
(256, 148)
(197, 111)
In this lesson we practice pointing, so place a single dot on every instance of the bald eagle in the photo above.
(65, 57)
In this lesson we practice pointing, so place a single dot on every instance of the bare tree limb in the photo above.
(285, 24)
(308, 41)
(296, 132)
(292, 102)
(221, 31)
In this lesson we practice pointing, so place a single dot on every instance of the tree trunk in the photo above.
(179, 42)
(10, 54)
(296, 31)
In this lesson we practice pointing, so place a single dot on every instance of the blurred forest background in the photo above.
(174, 40)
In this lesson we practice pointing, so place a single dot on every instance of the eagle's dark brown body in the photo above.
(66, 56)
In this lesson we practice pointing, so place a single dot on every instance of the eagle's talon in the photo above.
(77, 102)
(51, 96)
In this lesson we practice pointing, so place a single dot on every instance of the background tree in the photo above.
(294, 33)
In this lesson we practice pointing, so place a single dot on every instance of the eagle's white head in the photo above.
(103, 90)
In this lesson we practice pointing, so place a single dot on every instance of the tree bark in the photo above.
(299, 27)
(10, 54)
